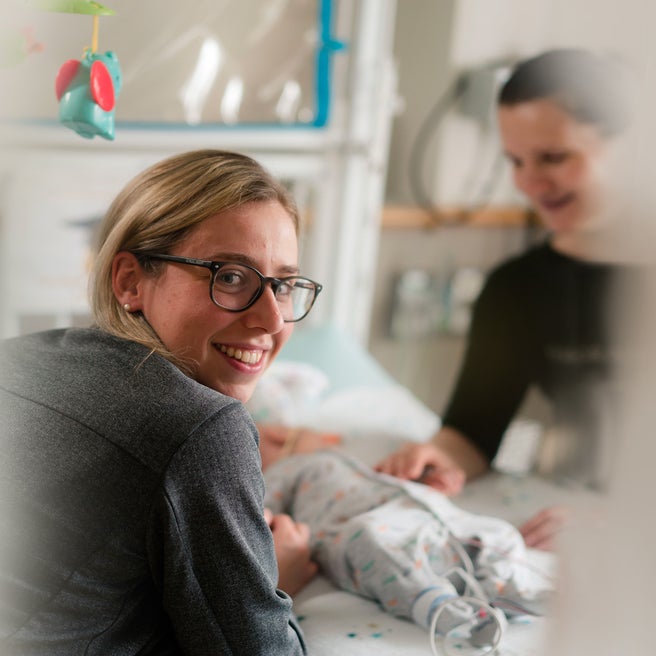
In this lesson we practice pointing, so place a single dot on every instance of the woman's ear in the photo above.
(127, 278)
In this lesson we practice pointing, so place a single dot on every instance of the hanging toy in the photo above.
(87, 89)
(87, 92)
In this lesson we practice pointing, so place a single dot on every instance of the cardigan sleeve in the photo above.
(210, 550)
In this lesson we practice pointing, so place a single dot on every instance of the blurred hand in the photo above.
(425, 463)
(541, 530)
(291, 541)
(279, 441)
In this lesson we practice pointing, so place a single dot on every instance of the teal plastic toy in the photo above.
(87, 90)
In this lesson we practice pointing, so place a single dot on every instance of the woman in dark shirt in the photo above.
(543, 317)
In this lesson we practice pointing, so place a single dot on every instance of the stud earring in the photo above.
(126, 307)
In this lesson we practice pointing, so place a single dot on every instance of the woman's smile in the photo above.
(246, 355)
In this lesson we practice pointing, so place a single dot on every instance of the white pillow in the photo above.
(299, 394)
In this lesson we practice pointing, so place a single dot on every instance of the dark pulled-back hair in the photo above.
(589, 87)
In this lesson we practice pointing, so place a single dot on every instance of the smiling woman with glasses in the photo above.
(128, 455)
(235, 287)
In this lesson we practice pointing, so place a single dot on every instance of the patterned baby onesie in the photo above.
(399, 543)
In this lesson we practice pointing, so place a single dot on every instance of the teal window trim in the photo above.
(327, 48)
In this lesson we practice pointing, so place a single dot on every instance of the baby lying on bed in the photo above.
(405, 545)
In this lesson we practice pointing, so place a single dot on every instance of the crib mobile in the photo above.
(87, 88)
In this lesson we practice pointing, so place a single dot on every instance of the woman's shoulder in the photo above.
(81, 356)
(97, 377)
(540, 265)
(71, 343)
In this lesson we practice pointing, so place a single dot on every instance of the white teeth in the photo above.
(248, 357)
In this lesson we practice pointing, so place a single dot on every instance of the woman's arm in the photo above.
(490, 385)
(211, 550)
(462, 451)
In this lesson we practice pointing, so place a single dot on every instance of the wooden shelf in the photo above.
(409, 216)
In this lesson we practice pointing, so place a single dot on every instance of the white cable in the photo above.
(497, 616)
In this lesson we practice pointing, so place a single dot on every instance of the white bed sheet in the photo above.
(374, 420)
(338, 624)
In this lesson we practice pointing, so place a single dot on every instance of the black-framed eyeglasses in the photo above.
(235, 287)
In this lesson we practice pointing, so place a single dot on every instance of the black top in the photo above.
(542, 318)
(131, 508)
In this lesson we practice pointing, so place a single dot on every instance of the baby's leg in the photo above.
(396, 557)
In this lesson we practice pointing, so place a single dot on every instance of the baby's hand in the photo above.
(541, 531)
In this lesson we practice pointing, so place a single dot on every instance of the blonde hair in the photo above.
(157, 209)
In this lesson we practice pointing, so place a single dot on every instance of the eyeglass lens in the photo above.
(235, 286)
